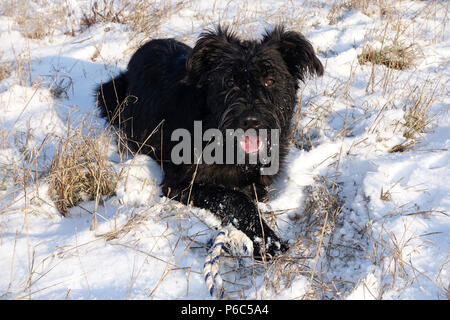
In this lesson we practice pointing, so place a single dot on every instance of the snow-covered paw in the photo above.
(269, 248)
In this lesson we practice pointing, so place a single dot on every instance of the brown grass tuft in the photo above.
(5, 69)
(80, 170)
(140, 16)
(394, 57)
(417, 108)
(31, 24)
(106, 12)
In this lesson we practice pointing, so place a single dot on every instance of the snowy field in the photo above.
(364, 201)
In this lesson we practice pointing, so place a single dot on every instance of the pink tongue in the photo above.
(251, 144)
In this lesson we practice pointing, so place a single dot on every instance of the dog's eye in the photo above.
(269, 82)
(229, 83)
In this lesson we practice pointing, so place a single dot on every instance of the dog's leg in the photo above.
(237, 208)
(257, 192)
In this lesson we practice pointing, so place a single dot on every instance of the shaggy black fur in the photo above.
(227, 83)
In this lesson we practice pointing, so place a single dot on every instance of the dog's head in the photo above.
(251, 84)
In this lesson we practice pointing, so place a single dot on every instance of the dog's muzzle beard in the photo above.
(253, 146)
(251, 149)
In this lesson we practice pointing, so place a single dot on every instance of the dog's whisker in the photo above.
(224, 117)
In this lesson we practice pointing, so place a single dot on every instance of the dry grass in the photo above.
(417, 109)
(368, 7)
(5, 69)
(394, 50)
(306, 257)
(394, 57)
(80, 170)
(142, 18)
(104, 13)
(33, 27)
(392, 45)
(34, 23)
(40, 19)
(391, 253)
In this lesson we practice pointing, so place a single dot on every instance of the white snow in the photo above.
(391, 240)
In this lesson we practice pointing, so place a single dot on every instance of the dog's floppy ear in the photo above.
(296, 51)
(209, 50)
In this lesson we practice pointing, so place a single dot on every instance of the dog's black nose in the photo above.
(249, 122)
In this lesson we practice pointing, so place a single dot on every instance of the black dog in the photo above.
(226, 83)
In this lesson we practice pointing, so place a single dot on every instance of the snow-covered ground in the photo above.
(365, 206)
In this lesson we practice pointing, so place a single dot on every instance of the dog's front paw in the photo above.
(271, 247)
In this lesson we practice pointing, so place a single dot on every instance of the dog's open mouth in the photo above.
(251, 144)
